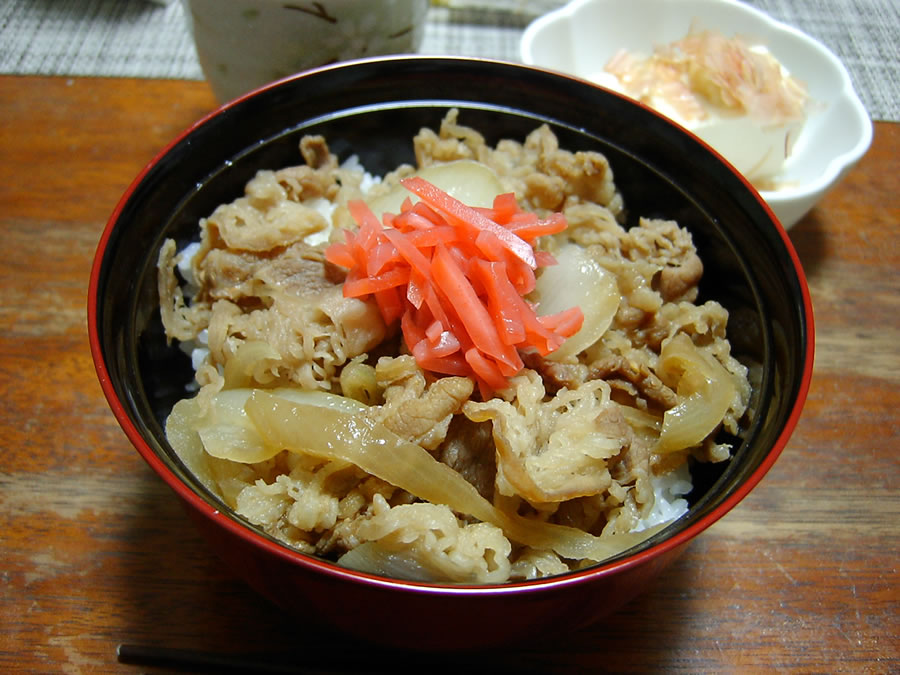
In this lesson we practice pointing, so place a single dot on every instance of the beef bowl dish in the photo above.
(471, 340)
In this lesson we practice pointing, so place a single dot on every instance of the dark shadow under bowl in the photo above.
(373, 109)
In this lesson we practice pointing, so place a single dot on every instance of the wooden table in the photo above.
(801, 577)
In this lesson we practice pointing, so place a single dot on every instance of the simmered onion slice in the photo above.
(228, 433)
(470, 182)
(705, 388)
(577, 280)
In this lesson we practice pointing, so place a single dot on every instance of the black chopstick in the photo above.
(194, 660)
(341, 661)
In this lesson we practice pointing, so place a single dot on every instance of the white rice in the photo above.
(326, 208)
(185, 261)
(669, 502)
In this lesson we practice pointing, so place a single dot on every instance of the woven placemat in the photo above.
(142, 38)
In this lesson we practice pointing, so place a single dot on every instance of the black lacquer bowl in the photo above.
(373, 109)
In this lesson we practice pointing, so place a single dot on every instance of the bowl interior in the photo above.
(373, 109)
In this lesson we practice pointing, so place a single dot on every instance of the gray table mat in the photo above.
(140, 38)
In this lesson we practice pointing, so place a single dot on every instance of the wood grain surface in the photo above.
(96, 551)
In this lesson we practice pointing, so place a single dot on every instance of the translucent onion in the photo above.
(705, 388)
(181, 432)
(336, 434)
(227, 432)
(471, 182)
(641, 418)
(577, 280)
(250, 364)
(359, 382)
(374, 559)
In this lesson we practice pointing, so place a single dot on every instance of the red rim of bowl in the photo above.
(253, 537)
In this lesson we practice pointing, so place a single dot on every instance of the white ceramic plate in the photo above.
(579, 38)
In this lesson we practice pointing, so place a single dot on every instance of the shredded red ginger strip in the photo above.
(455, 277)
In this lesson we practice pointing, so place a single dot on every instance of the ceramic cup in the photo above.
(244, 44)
